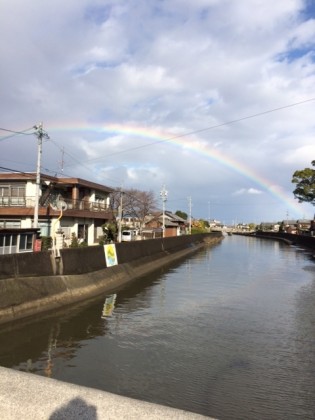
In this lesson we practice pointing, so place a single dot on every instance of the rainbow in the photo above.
(186, 141)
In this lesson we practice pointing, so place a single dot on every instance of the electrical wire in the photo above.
(16, 171)
(201, 130)
(62, 148)
(169, 138)
(15, 133)
(18, 132)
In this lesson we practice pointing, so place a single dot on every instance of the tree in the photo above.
(252, 226)
(137, 204)
(305, 185)
(110, 233)
(199, 226)
(181, 214)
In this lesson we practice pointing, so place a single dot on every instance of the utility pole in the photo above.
(189, 203)
(62, 162)
(120, 212)
(163, 195)
(40, 134)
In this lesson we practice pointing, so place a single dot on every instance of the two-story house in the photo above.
(73, 205)
(174, 225)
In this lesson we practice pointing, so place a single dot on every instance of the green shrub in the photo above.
(46, 243)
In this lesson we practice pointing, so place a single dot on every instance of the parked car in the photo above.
(127, 235)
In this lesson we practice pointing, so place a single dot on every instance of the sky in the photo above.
(212, 100)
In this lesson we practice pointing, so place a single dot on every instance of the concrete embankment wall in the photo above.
(38, 282)
(305, 241)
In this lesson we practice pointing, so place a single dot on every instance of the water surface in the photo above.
(228, 332)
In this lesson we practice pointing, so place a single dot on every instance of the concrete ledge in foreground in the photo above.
(28, 396)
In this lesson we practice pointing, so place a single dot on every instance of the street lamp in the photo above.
(163, 195)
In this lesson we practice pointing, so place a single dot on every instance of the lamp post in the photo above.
(163, 195)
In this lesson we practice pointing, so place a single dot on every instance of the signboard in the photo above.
(37, 245)
(110, 255)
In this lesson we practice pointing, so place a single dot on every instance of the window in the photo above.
(12, 195)
(17, 195)
(45, 228)
(2, 244)
(4, 195)
(4, 191)
(26, 242)
(8, 243)
(12, 224)
(99, 197)
(18, 191)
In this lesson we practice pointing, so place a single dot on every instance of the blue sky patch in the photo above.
(309, 10)
(295, 54)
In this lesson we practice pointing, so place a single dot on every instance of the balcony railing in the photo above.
(29, 202)
(85, 205)
(14, 202)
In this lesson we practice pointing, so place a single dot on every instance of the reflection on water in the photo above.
(228, 332)
(109, 306)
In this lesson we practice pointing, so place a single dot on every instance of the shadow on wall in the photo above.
(74, 410)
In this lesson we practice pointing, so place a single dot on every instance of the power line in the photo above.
(18, 132)
(62, 148)
(166, 139)
(201, 130)
(15, 133)
(17, 171)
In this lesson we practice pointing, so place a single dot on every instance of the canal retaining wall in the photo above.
(304, 241)
(38, 282)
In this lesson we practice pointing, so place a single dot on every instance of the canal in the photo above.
(228, 332)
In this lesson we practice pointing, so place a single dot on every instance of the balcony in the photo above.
(13, 202)
(29, 202)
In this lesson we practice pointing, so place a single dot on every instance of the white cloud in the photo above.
(244, 191)
(173, 67)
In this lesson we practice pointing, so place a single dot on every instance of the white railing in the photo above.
(71, 204)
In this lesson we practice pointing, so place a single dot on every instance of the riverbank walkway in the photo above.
(31, 397)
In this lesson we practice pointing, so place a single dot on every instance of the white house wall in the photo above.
(91, 234)
(26, 222)
(70, 226)
(92, 197)
(30, 190)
